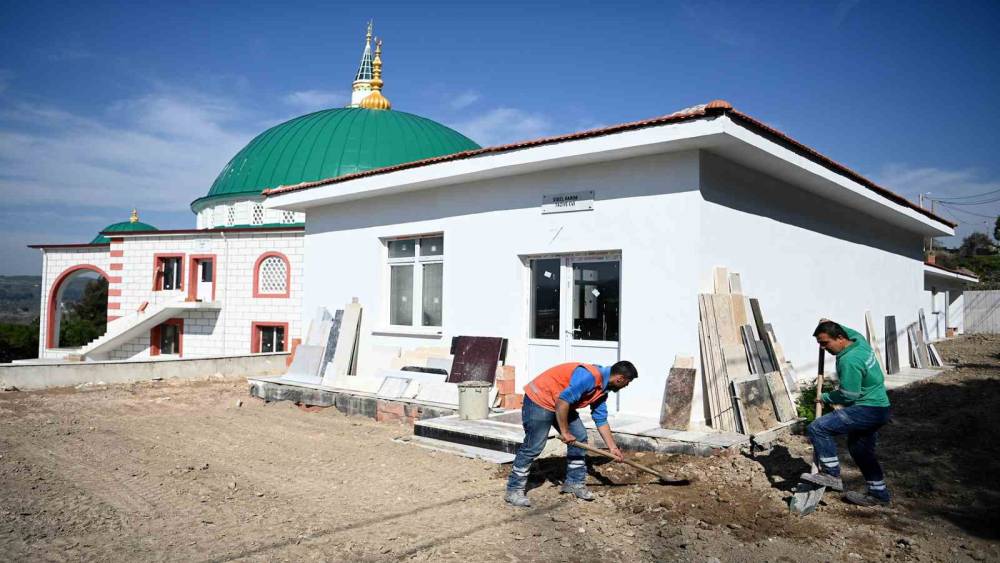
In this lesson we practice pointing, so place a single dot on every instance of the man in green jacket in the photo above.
(865, 410)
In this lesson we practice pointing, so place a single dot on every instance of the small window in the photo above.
(416, 281)
(168, 273)
(207, 270)
(268, 338)
(288, 217)
(231, 216)
(258, 214)
(272, 275)
(167, 338)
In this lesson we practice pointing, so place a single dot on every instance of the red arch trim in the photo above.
(256, 275)
(50, 314)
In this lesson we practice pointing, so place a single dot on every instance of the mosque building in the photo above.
(233, 284)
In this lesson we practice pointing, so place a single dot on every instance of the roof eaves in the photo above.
(711, 109)
(293, 227)
(954, 272)
(71, 245)
(714, 108)
(831, 164)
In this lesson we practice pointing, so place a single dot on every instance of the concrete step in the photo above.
(471, 452)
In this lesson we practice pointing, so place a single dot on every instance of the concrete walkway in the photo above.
(908, 375)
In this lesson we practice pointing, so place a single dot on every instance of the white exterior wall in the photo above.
(806, 258)
(55, 261)
(647, 208)
(941, 294)
(208, 333)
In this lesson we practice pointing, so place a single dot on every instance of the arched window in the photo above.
(272, 275)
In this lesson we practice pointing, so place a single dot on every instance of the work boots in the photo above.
(516, 497)
(579, 490)
(864, 499)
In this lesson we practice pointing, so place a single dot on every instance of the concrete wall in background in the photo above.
(28, 377)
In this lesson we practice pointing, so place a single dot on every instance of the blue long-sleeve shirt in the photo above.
(582, 382)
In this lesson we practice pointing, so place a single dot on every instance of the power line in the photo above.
(948, 206)
(991, 192)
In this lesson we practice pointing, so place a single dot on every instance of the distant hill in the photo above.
(20, 298)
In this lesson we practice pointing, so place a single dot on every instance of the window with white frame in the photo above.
(231, 216)
(288, 217)
(257, 218)
(416, 271)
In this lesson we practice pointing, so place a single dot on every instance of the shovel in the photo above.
(664, 479)
(807, 495)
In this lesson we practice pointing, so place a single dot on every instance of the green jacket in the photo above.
(861, 379)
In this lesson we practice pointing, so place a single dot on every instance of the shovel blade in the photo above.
(806, 498)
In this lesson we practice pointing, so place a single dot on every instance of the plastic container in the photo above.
(473, 400)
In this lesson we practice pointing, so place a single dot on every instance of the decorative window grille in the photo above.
(288, 217)
(272, 276)
(231, 216)
(258, 214)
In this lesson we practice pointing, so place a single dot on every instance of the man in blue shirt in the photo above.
(552, 399)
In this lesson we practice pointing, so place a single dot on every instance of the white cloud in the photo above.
(313, 100)
(464, 100)
(164, 151)
(504, 125)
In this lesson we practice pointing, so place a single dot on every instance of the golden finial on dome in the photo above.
(135, 216)
(376, 100)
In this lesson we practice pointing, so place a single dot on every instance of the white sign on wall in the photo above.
(570, 201)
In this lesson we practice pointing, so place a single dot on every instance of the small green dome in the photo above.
(332, 143)
(123, 227)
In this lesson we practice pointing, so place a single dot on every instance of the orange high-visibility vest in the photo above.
(544, 390)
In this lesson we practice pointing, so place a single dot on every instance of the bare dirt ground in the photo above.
(182, 471)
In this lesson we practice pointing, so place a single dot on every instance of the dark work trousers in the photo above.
(861, 424)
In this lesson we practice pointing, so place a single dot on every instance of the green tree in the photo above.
(996, 229)
(976, 244)
(18, 341)
(87, 319)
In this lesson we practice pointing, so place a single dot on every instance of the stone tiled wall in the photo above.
(129, 265)
(213, 332)
(55, 262)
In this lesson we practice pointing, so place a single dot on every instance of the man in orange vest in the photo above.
(551, 400)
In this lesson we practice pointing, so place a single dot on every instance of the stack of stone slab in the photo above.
(923, 354)
(746, 379)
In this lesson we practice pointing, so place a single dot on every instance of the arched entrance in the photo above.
(53, 316)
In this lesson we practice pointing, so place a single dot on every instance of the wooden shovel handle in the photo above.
(638, 466)
(819, 382)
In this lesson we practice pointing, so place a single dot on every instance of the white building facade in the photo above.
(594, 246)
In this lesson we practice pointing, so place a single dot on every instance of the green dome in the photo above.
(123, 227)
(332, 143)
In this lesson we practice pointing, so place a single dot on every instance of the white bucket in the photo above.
(473, 400)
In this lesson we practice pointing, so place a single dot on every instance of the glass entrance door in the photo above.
(574, 311)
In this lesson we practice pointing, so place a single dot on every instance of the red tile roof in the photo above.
(960, 272)
(711, 109)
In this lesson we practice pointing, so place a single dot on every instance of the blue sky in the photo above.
(105, 106)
